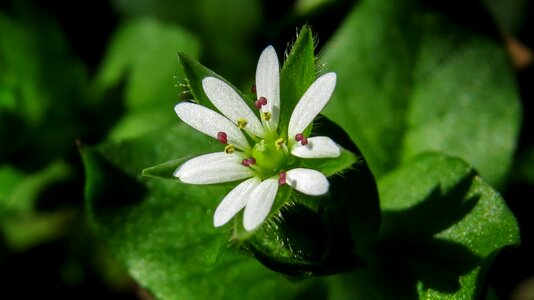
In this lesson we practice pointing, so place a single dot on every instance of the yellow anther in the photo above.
(279, 142)
(229, 149)
(266, 116)
(241, 123)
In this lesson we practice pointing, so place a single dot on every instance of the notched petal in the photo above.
(211, 123)
(307, 181)
(234, 201)
(228, 101)
(317, 147)
(311, 103)
(260, 203)
(213, 168)
(268, 83)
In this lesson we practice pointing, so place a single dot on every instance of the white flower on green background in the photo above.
(256, 152)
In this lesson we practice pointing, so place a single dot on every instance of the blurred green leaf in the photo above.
(162, 231)
(26, 230)
(22, 227)
(41, 86)
(412, 79)
(19, 191)
(524, 166)
(442, 227)
(143, 53)
(227, 28)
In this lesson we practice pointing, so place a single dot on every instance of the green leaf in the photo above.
(24, 231)
(143, 55)
(442, 227)
(41, 97)
(19, 192)
(227, 28)
(412, 79)
(162, 231)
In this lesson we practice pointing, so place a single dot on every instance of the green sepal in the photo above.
(195, 72)
(297, 74)
(166, 169)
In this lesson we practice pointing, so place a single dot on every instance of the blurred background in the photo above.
(83, 72)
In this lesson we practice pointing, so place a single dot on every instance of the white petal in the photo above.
(317, 147)
(234, 201)
(228, 101)
(311, 103)
(307, 181)
(209, 122)
(260, 203)
(268, 83)
(213, 168)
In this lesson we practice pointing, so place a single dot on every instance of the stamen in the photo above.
(248, 162)
(279, 142)
(222, 137)
(241, 123)
(229, 149)
(258, 104)
(266, 116)
(282, 178)
(299, 137)
(262, 101)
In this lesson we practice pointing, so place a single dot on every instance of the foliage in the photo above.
(426, 108)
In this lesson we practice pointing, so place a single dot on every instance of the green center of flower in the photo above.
(270, 156)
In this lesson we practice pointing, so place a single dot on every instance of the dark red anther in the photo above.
(248, 162)
(282, 178)
(258, 104)
(253, 89)
(262, 101)
(222, 137)
(299, 137)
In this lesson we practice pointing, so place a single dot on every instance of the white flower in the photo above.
(261, 164)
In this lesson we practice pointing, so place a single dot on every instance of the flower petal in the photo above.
(209, 122)
(268, 84)
(317, 147)
(260, 203)
(234, 201)
(307, 181)
(311, 103)
(228, 101)
(212, 168)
